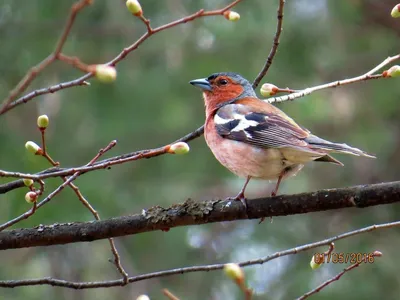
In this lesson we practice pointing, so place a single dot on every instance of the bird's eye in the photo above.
(223, 81)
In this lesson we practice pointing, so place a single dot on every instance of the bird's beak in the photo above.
(202, 83)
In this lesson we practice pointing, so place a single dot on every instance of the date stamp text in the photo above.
(344, 258)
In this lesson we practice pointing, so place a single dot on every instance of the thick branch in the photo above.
(195, 213)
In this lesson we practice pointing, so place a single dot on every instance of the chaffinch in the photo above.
(253, 138)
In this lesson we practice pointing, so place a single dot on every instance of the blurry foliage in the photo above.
(152, 104)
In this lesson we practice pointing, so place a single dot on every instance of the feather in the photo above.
(264, 130)
(318, 143)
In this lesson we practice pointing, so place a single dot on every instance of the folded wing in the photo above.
(273, 129)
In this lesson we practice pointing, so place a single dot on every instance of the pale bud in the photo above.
(394, 71)
(143, 297)
(268, 89)
(33, 148)
(105, 73)
(30, 197)
(179, 148)
(234, 272)
(134, 7)
(231, 15)
(316, 261)
(28, 182)
(43, 121)
(396, 11)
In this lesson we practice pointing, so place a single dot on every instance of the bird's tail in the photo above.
(318, 143)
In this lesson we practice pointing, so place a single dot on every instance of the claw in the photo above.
(240, 197)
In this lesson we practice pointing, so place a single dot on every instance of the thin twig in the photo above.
(274, 47)
(169, 295)
(330, 250)
(75, 9)
(205, 268)
(367, 76)
(74, 61)
(41, 189)
(44, 152)
(247, 292)
(48, 198)
(84, 169)
(33, 72)
(8, 104)
(335, 278)
(4, 188)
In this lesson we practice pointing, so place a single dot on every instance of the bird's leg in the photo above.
(241, 196)
(275, 191)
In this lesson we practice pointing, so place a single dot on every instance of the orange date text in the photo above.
(344, 258)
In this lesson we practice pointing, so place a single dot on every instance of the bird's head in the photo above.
(223, 88)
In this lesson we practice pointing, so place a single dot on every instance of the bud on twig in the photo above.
(104, 73)
(179, 148)
(43, 121)
(377, 253)
(143, 297)
(316, 263)
(33, 148)
(396, 11)
(28, 182)
(394, 71)
(268, 89)
(134, 7)
(231, 16)
(30, 197)
(234, 272)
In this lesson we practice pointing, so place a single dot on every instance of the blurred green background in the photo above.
(152, 104)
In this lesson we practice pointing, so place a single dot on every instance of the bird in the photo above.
(254, 139)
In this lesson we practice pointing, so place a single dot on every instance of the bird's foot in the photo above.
(240, 197)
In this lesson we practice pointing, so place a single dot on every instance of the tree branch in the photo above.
(34, 71)
(367, 76)
(204, 268)
(274, 47)
(4, 188)
(195, 213)
(8, 105)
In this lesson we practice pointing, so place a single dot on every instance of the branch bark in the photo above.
(196, 213)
